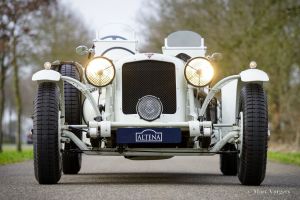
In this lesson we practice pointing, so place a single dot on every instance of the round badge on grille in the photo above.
(149, 107)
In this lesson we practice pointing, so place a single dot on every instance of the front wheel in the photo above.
(254, 125)
(47, 157)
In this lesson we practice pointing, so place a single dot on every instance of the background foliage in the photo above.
(265, 31)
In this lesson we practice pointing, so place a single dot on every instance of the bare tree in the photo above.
(15, 14)
(3, 67)
(4, 62)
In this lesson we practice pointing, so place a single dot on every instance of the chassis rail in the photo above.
(150, 152)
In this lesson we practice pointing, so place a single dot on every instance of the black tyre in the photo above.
(253, 155)
(71, 160)
(228, 161)
(47, 157)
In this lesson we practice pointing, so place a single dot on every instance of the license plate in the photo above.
(148, 136)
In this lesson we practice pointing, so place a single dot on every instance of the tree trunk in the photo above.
(2, 98)
(18, 101)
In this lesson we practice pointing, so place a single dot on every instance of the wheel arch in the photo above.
(230, 94)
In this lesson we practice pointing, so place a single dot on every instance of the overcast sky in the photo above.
(100, 12)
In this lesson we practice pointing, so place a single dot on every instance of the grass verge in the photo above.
(9, 156)
(12, 156)
(288, 158)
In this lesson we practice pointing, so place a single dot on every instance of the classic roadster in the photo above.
(149, 106)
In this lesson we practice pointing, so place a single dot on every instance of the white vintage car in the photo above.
(149, 106)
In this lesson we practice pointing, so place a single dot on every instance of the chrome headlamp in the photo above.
(149, 108)
(199, 72)
(100, 72)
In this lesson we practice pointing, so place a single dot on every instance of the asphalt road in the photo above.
(176, 178)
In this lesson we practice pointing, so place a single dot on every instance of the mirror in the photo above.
(82, 50)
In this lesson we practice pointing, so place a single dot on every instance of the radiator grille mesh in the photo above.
(148, 77)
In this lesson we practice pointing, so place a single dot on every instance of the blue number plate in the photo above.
(148, 136)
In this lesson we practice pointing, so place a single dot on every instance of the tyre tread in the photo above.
(253, 159)
(45, 135)
(71, 161)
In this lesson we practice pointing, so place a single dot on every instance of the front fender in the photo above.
(230, 94)
(254, 75)
(46, 76)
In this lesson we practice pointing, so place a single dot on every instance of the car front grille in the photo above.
(148, 77)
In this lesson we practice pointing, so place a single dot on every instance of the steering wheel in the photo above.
(113, 48)
(113, 37)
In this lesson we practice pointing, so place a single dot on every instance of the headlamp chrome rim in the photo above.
(157, 108)
(185, 75)
(114, 70)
